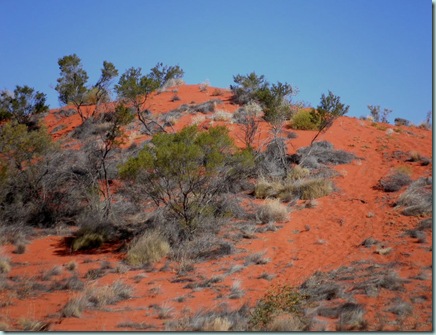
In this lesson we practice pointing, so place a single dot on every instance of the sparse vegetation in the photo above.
(394, 181)
(418, 198)
(148, 248)
(272, 210)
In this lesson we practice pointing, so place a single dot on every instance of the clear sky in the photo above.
(376, 52)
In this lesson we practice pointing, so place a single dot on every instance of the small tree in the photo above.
(134, 88)
(71, 84)
(384, 116)
(247, 87)
(329, 109)
(375, 112)
(185, 172)
(99, 152)
(22, 104)
(101, 90)
(161, 74)
(22, 171)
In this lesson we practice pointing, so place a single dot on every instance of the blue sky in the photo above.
(376, 52)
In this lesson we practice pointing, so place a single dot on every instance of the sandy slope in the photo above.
(323, 238)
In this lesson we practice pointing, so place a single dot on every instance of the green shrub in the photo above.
(186, 172)
(279, 300)
(149, 248)
(303, 121)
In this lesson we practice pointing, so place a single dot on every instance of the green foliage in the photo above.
(100, 92)
(186, 171)
(72, 82)
(22, 104)
(303, 121)
(72, 87)
(21, 147)
(329, 109)
(135, 87)
(281, 299)
(273, 98)
(163, 73)
(247, 87)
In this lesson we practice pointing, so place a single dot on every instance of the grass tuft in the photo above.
(147, 249)
(272, 210)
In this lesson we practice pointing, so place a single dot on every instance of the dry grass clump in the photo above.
(97, 296)
(351, 317)
(281, 300)
(302, 120)
(33, 325)
(220, 319)
(395, 181)
(236, 291)
(217, 324)
(256, 258)
(324, 153)
(286, 322)
(308, 189)
(5, 265)
(267, 188)
(87, 241)
(74, 307)
(297, 185)
(400, 307)
(418, 198)
(272, 211)
(221, 115)
(147, 249)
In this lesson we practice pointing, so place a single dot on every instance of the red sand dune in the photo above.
(338, 225)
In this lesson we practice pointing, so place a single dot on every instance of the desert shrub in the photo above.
(297, 172)
(351, 317)
(273, 161)
(319, 290)
(220, 319)
(186, 171)
(303, 121)
(296, 186)
(33, 325)
(400, 307)
(425, 224)
(97, 296)
(217, 92)
(251, 109)
(267, 188)
(401, 122)
(272, 210)
(418, 198)
(148, 248)
(205, 107)
(74, 307)
(222, 116)
(94, 229)
(394, 181)
(205, 246)
(279, 300)
(307, 189)
(286, 322)
(324, 153)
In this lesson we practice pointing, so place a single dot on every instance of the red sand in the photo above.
(338, 225)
